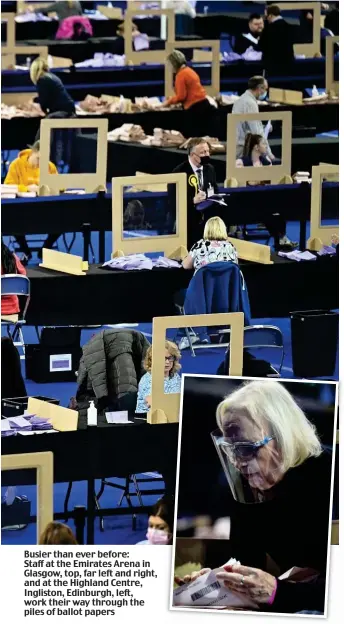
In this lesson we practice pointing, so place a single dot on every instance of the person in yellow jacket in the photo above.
(25, 172)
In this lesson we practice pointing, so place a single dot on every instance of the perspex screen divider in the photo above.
(169, 243)
(51, 184)
(165, 407)
(247, 174)
(214, 88)
(320, 234)
(332, 85)
(44, 465)
(146, 56)
(313, 48)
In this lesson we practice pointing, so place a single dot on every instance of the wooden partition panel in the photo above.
(320, 234)
(214, 88)
(146, 56)
(313, 48)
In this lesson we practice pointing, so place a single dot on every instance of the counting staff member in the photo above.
(201, 183)
(191, 94)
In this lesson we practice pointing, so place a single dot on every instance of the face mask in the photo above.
(205, 160)
(157, 537)
(263, 96)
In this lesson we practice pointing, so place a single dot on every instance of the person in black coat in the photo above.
(250, 39)
(201, 183)
(280, 480)
(53, 96)
(277, 43)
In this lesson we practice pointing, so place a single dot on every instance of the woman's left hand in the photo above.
(256, 584)
(148, 400)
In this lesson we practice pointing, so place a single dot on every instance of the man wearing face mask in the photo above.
(201, 183)
(247, 104)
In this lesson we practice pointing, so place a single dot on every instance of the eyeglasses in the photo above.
(243, 450)
(170, 358)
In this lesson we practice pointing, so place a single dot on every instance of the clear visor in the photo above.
(252, 468)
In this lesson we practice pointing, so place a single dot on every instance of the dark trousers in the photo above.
(276, 225)
(201, 119)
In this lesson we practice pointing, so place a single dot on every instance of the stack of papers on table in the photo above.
(297, 255)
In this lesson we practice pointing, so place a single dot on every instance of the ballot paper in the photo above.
(116, 418)
(19, 422)
(141, 42)
(267, 129)
(208, 591)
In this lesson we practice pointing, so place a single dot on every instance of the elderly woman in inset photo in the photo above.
(280, 479)
(172, 380)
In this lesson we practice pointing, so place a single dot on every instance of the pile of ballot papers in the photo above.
(24, 425)
(138, 262)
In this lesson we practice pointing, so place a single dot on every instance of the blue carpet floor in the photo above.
(119, 530)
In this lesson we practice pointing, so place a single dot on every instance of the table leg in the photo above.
(302, 242)
(90, 511)
(86, 232)
(101, 246)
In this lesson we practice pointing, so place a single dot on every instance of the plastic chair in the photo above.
(18, 285)
(263, 337)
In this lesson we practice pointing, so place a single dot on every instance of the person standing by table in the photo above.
(252, 37)
(191, 94)
(257, 89)
(201, 183)
(53, 96)
(277, 43)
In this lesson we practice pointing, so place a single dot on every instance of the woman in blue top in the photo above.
(255, 156)
(172, 381)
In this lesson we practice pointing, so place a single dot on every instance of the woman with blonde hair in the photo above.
(172, 380)
(271, 454)
(52, 94)
(213, 247)
(56, 533)
(191, 94)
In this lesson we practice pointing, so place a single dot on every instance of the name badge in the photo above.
(210, 191)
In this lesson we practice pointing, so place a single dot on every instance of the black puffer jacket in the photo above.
(111, 368)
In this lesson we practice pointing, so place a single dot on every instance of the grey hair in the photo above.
(270, 403)
(177, 59)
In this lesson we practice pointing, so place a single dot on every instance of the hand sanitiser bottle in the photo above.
(315, 91)
(92, 415)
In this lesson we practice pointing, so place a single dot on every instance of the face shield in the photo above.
(252, 466)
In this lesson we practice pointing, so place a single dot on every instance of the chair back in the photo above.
(19, 285)
(264, 337)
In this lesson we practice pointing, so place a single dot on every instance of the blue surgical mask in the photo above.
(263, 96)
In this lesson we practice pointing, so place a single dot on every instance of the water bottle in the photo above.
(28, 61)
(205, 10)
(92, 415)
(315, 91)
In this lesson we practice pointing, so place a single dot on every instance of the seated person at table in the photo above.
(201, 182)
(160, 523)
(53, 96)
(213, 247)
(172, 383)
(251, 38)
(57, 534)
(118, 43)
(134, 216)
(25, 172)
(255, 156)
(10, 265)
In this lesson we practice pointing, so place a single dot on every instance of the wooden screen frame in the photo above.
(320, 234)
(165, 407)
(10, 49)
(146, 56)
(214, 88)
(247, 174)
(169, 243)
(332, 86)
(44, 465)
(308, 49)
(50, 184)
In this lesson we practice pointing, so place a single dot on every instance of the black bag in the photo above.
(251, 366)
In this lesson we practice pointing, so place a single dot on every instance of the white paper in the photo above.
(19, 421)
(267, 129)
(116, 417)
(5, 425)
(208, 591)
(251, 38)
(27, 433)
(141, 43)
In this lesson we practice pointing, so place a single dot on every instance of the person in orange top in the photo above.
(25, 172)
(189, 92)
(10, 265)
